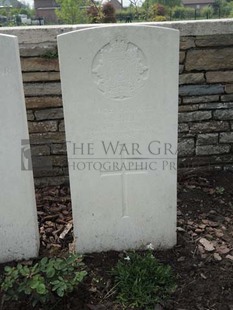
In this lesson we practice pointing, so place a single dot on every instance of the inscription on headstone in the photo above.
(120, 96)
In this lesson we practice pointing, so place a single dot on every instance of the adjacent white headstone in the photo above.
(19, 237)
(120, 93)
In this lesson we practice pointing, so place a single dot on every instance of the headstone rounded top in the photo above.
(119, 68)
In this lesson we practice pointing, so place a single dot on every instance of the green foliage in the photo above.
(168, 3)
(109, 13)
(180, 12)
(124, 15)
(44, 281)
(207, 11)
(72, 11)
(160, 18)
(102, 14)
(157, 12)
(226, 9)
(142, 281)
(95, 14)
(223, 8)
(220, 190)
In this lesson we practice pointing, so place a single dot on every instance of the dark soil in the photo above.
(202, 260)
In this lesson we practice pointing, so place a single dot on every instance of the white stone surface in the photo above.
(19, 236)
(31, 36)
(120, 86)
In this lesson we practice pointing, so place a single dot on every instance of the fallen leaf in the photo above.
(213, 224)
(66, 230)
(180, 229)
(223, 249)
(217, 257)
(181, 259)
(218, 233)
(202, 226)
(208, 246)
(201, 249)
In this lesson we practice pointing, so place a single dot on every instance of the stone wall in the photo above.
(205, 103)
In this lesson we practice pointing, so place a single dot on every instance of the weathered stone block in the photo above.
(212, 149)
(183, 128)
(186, 147)
(207, 139)
(41, 76)
(39, 64)
(229, 88)
(59, 160)
(39, 49)
(41, 162)
(191, 78)
(61, 126)
(47, 138)
(219, 76)
(214, 40)
(186, 43)
(181, 68)
(226, 137)
(43, 102)
(55, 113)
(194, 116)
(48, 172)
(212, 126)
(209, 59)
(192, 90)
(227, 98)
(42, 89)
(58, 149)
(205, 160)
(49, 162)
(40, 150)
(226, 114)
(182, 57)
(42, 126)
(188, 108)
(200, 99)
(30, 116)
(215, 106)
(51, 181)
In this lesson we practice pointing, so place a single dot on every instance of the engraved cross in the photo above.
(124, 183)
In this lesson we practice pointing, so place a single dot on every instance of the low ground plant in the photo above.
(142, 281)
(43, 282)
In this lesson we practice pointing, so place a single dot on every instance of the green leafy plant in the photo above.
(142, 281)
(220, 190)
(43, 282)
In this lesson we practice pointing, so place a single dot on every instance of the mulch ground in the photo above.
(202, 259)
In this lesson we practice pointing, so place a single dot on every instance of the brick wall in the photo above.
(205, 103)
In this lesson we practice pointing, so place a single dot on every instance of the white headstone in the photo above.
(19, 237)
(120, 90)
